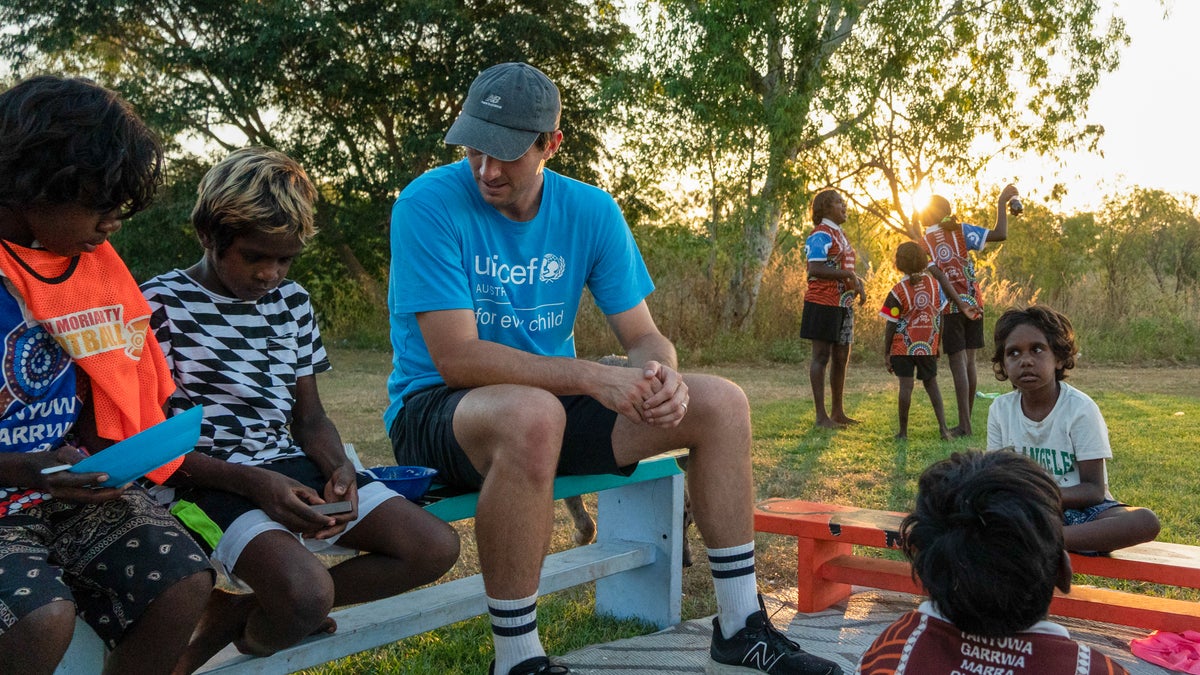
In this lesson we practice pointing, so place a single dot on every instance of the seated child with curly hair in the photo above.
(79, 369)
(986, 543)
(1060, 428)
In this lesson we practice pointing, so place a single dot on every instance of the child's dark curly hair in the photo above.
(821, 204)
(71, 141)
(986, 540)
(1060, 336)
(939, 212)
(911, 258)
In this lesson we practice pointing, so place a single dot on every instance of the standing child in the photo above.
(986, 542)
(242, 341)
(1061, 428)
(79, 368)
(948, 243)
(828, 316)
(910, 338)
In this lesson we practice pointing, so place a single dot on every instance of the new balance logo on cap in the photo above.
(506, 108)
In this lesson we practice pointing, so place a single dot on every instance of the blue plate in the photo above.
(410, 481)
(144, 452)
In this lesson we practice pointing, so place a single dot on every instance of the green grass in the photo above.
(1154, 424)
(565, 620)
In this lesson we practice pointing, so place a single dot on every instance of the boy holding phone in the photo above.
(270, 481)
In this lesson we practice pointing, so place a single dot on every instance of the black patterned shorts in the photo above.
(111, 559)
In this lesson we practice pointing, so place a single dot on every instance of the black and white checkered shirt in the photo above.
(239, 359)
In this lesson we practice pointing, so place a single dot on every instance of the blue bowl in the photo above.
(410, 481)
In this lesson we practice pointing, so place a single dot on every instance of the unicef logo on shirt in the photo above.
(553, 267)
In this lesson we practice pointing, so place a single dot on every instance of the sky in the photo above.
(1150, 110)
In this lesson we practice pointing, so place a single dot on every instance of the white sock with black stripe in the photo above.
(735, 584)
(514, 631)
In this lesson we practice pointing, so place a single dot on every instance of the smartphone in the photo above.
(332, 508)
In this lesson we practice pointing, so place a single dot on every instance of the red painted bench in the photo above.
(827, 566)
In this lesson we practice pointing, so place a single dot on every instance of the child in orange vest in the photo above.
(949, 242)
(79, 369)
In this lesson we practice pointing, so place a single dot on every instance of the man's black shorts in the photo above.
(827, 323)
(423, 435)
(959, 333)
(924, 366)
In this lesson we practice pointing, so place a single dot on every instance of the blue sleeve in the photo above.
(816, 247)
(619, 279)
(975, 236)
(427, 258)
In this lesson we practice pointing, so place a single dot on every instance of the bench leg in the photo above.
(650, 512)
(814, 593)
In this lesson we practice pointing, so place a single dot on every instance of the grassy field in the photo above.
(1154, 423)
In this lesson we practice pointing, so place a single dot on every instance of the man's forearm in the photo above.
(653, 347)
(479, 363)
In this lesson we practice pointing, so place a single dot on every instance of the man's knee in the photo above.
(520, 427)
(717, 401)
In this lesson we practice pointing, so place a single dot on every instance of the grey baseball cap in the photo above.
(507, 106)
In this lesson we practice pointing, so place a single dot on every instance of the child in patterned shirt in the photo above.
(910, 338)
(242, 341)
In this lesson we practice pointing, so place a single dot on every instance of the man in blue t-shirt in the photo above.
(490, 257)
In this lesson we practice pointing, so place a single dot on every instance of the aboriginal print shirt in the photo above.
(915, 305)
(828, 244)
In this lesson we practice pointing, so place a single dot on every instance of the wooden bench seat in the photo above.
(636, 563)
(827, 566)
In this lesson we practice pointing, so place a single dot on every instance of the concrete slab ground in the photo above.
(841, 633)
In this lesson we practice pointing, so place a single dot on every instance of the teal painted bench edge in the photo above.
(461, 507)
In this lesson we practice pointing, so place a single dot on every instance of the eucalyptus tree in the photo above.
(361, 92)
(885, 94)
(1147, 231)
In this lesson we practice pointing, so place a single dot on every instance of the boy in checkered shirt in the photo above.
(242, 341)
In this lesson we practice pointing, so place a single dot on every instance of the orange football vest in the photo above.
(95, 311)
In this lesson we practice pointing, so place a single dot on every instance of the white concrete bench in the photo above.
(636, 563)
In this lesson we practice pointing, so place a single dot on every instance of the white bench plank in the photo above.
(636, 562)
(384, 621)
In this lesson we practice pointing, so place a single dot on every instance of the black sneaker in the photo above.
(762, 648)
(538, 665)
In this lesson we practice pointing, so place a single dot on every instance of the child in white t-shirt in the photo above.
(1060, 428)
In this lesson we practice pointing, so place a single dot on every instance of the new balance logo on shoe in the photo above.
(759, 656)
(759, 647)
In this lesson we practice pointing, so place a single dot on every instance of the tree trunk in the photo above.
(357, 272)
(758, 242)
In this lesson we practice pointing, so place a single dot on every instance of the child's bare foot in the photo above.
(901, 436)
(958, 432)
(328, 625)
(843, 420)
(826, 423)
(947, 435)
